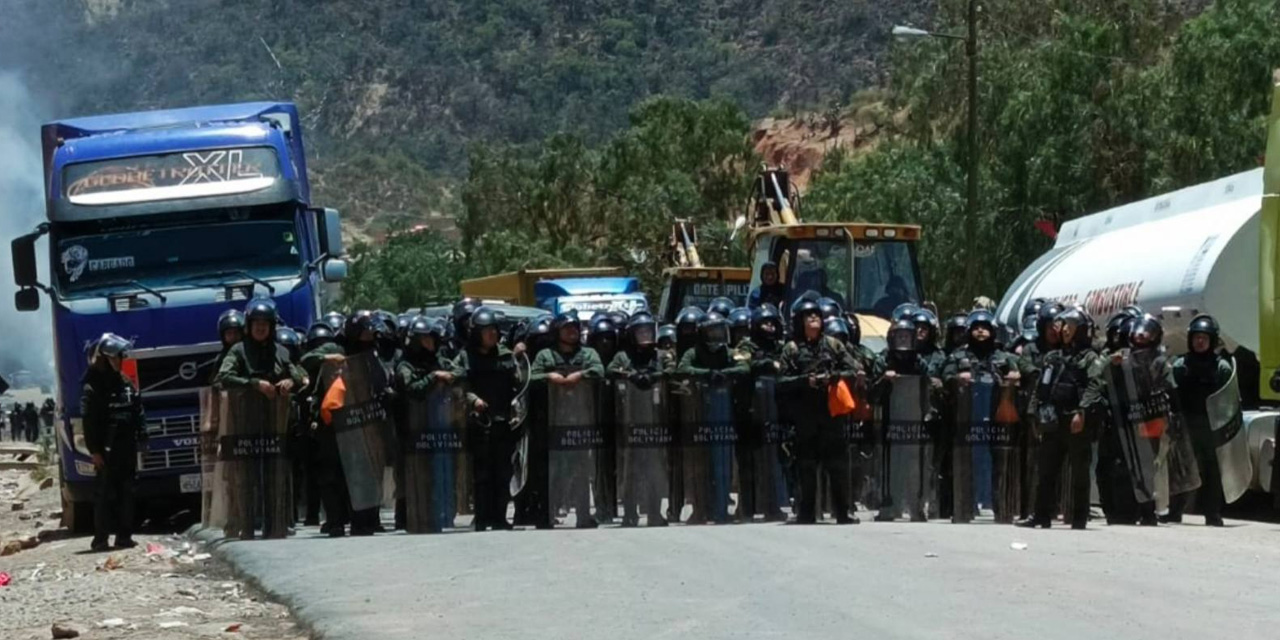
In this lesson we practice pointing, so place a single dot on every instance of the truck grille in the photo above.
(175, 372)
(173, 458)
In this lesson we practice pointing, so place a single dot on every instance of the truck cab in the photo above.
(698, 286)
(156, 223)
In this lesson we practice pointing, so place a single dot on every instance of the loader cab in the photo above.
(868, 268)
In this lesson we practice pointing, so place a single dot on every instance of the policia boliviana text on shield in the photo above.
(731, 415)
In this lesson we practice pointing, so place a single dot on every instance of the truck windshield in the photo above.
(262, 241)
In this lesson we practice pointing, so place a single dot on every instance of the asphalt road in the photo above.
(873, 580)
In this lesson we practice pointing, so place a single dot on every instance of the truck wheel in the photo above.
(77, 517)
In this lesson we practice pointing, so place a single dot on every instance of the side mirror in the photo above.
(24, 261)
(333, 270)
(27, 299)
(330, 225)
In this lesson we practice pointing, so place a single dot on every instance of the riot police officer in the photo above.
(957, 332)
(759, 450)
(812, 364)
(739, 326)
(721, 305)
(568, 364)
(667, 338)
(645, 366)
(900, 358)
(492, 382)
(687, 322)
(259, 362)
(711, 360)
(114, 429)
(1067, 406)
(230, 332)
(1198, 374)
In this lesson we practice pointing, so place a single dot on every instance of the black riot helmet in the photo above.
(539, 335)
(904, 310)
(109, 345)
(1047, 314)
(713, 331)
(335, 321)
(924, 319)
(642, 330)
(290, 340)
(319, 334)
(1145, 332)
(805, 305)
(829, 308)
(620, 319)
(230, 319)
(766, 322)
(1133, 311)
(567, 319)
(980, 318)
(420, 327)
(1005, 336)
(1032, 308)
(687, 321)
(902, 336)
(356, 327)
(461, 315)
(402, 325)
(1207, 325)
(1081, 325)
(721, 305)
(483, 317)
(261, 309)
(667, 336)
(855, 328)
(603, 334)
(957, 331)
(1117, 337)
(836, 328)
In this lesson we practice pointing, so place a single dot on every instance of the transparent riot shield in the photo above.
(766, 438)
(1006, 467)
(1226, 419)
(434, 445)
(971, 448)
(255, 467)
(709, 436)
(574, 441)
(213, 510)
(644, 437)
(360, 426)
(908, 451)
(865, 451)
(1140, 409)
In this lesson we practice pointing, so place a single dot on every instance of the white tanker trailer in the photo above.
(1209, 249)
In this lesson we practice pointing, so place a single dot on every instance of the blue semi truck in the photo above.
(157, 222)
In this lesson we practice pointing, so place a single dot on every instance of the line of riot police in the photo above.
(728, 415)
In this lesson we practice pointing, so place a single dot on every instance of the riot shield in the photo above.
(255, 468)
(908, 451)
(971, 449)
(1177, 471)
(1140, 409)
(1226, 419)
(360, 426)
(708, 437)
(574, 441)
(768, 436)
(435, 435)
(1006, 467)
(213, 510)
(644, 436)
(865, 451)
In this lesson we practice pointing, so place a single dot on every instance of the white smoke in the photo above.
(26, 339)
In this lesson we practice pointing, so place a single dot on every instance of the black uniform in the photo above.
(113, 428)
(491, 376)
(1197, 376)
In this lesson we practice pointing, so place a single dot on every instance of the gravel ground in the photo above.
(165, 589)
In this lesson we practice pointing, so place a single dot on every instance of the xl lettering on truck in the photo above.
(157, 222)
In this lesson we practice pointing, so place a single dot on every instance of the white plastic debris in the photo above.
(1018, 546)
(173, 624)
(111, 623)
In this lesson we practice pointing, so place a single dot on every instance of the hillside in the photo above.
(394, 91)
